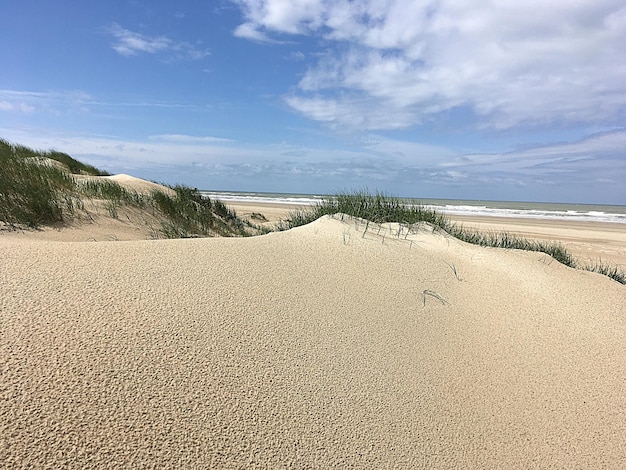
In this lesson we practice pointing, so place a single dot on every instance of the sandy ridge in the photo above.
(589, 242)
(93, 223)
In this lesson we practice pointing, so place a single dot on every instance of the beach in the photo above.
(336, 344)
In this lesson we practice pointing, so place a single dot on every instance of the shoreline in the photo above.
(588, 241)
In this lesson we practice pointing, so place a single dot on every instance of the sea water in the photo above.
(536, 210)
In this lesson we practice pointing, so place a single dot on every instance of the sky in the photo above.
(489, 99)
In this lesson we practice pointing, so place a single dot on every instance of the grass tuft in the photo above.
(111, 191)
(508, 241)
(377, 208)
(608, 270)
(73, 165)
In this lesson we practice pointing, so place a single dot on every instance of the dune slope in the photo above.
(319, 347)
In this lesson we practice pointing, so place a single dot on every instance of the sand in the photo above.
(326, 346)
(589, 242)
(94, 223)
(131, 183)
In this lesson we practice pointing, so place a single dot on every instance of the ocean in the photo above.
(535, 210)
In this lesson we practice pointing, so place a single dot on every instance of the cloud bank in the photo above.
(398, 63)
(401, 167)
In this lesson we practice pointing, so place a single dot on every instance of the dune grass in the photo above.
(377, 208)
(31, 194)
(110, 190)
(34, 193)
(115, 195)
(607, 269)
(381, 208)
(191, 215)
(506, 240)
(74, 166)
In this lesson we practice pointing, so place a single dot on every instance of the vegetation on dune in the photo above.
(506, 240)
(31, 194)
(377, 208)
(191, 214)
(73, 165)
(24, 153)
(607, 269)
(35, 193)
(381, 208)
(115, 195)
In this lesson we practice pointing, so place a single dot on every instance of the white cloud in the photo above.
(27, 102)
(596, 157)
(182, 138)
(248, 31)
(66, 102)
(56, 103)
(26, 108)
(129, 43)
(297, 56)
(354, 113)
(509, 63)
(285, 16)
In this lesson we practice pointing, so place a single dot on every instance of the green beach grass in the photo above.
(38, 189)
(381, 208)
(33, 192)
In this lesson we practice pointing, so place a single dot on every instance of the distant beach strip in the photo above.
(525, 210)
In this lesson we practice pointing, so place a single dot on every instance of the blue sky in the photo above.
(497, 99)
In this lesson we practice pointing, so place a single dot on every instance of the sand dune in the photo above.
(319, 347)
(131, 183)
(95, 224)
(589, 242)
